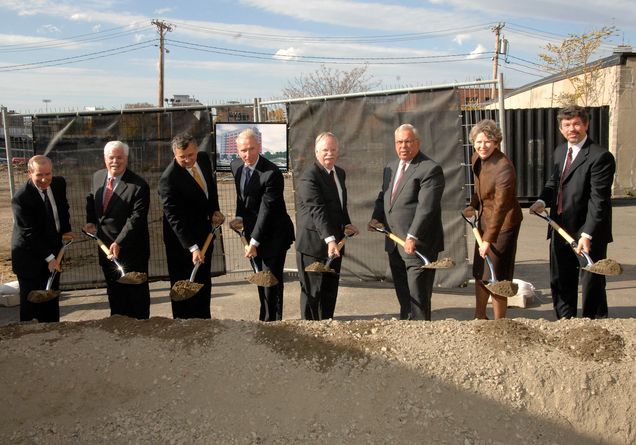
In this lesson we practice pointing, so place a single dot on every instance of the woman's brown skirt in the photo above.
(502, 254)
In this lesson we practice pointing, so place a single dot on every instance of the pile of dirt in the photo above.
(119, 380)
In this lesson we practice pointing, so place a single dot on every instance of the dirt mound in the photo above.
(119, 380)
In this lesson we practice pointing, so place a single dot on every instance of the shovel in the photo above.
(444, 263)
(40, 296)
(602, 267)
(318, 267)
(505, 288)
(185, 289)
(262, 279)
(125, 278)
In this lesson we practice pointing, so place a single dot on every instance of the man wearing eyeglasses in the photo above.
(409, 206)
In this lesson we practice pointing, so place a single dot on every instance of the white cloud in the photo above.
(162, 11)
(48, 29)
(96, 28)
(290, 53)
(139, 37)
(461, 38)
(80, 17)
(480, 50)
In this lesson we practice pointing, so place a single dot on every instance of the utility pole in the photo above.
(495, 60)
(162, 28)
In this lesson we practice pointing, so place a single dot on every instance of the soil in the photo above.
(119, 380)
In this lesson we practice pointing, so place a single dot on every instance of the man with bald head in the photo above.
(41, 218)
(117, 211)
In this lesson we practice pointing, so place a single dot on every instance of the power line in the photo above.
(335, 39)
(71, 41)
(321, 59)
(80, 58)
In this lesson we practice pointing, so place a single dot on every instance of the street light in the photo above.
(46, 104)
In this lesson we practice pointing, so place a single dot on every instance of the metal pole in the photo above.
(502, 112)
(7, 147)
(255, 112)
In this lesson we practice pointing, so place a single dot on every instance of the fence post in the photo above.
(7, 147)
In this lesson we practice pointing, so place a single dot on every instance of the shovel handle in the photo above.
(563, 233)
(208, 240)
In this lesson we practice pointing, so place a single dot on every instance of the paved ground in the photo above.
(234, 299)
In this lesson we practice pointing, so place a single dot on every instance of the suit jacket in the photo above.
(263, 208)
(125, 220)
(416, 209)
(586, 192)
(495, 195)
(319, 213)
(187, 212)
(32, 240)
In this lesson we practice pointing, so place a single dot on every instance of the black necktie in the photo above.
(50, 217)
(332, 176)
(248, 175)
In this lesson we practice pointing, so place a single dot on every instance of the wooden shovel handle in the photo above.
(103, 246)
(480, 241)
(563, 233)
(397, 239)
(208, 240)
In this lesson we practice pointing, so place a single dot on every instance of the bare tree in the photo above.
(328, 82)
(572, 58)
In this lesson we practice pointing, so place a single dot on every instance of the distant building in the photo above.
(182, 100)
(228, 145)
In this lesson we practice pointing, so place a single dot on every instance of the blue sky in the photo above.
(105, 54)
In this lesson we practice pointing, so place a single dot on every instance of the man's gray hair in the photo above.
(248, 133)
(408, 127)
(323, 135)
(116, 144)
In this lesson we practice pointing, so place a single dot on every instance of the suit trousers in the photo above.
(271, 298)
(131, 300)
(565, 267)
(318, 290)
(413, 285)
(46, 312)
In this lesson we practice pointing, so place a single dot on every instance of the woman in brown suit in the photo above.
(495, 200)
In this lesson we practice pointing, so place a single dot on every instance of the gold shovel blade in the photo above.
(184, 289)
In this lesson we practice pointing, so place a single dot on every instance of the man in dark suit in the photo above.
(41, 219)
(262, 214)
(409, 205)
(579, 196)
(117, 212)
(322, 220)
(190, 202)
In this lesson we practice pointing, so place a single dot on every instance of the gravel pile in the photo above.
(518, 381)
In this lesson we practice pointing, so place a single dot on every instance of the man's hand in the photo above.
(217, 218)
(89, 228)
(409, 246)
(114, 249)
(332, 249)
(373, 223)
(537, 207)
(66, 237)
(250, 251)
(584, 245)
(54, 265)
(197, 257)
(351, 230)
(236, 224)
(469, 212)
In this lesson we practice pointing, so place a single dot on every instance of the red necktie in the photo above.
(397, 181)
(568, 162)
(108, 192)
